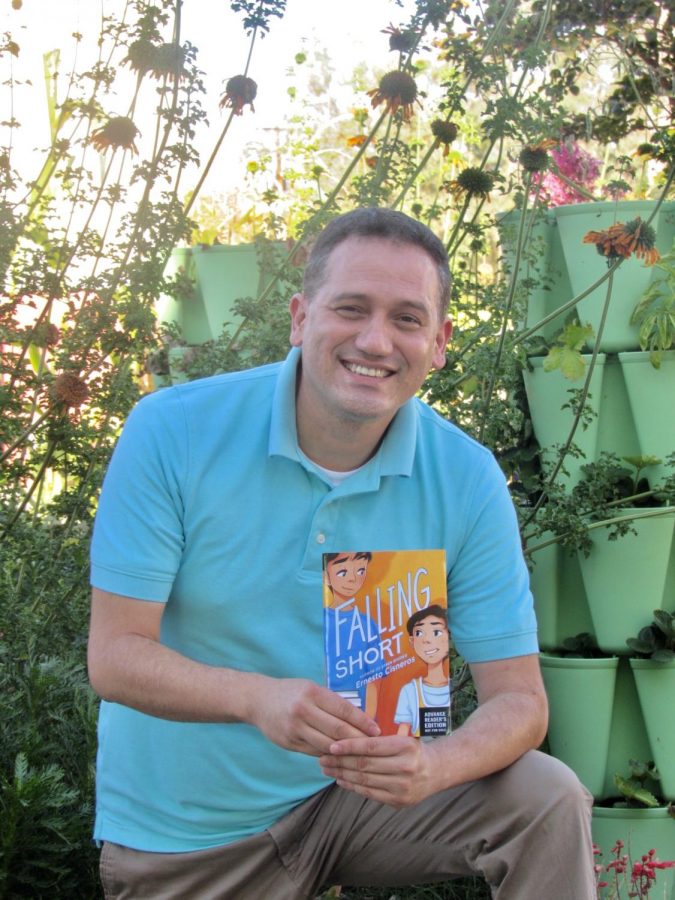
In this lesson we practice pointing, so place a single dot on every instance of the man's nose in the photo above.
(373, 337)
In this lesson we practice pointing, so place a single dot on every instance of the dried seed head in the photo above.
(69, 389)
(397, 90)
(118, 131)
(534, 159)
(239, 92)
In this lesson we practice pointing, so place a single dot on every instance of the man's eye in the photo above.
(409, 320)
(349, 311)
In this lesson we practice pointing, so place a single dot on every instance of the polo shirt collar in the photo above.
(395, 455)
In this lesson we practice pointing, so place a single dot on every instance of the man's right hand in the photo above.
(300, 715)
(128, 664)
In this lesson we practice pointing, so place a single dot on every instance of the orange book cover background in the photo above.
(369, 600)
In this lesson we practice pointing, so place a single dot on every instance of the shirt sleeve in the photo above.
(138, 535)
(490, 606)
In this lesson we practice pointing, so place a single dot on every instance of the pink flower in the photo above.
(576, 164)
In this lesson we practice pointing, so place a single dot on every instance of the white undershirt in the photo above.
(333, 477)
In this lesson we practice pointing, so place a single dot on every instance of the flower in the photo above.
(621, 240)
(575, 164)
(168, 61)
(118, 131)
(473, 181)
(444, 132)
(397, 90)
(69, 389)
(239, 91)
(400, 40)
(141, 56)
(46, 334)
(534, 157)
(357, 140)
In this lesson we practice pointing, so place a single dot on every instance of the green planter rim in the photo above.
(637, 663)
(624, 208)
(641, 356)
(578, 662)
(623, 812)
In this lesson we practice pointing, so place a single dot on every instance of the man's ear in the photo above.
(298, 310)
(443, 336)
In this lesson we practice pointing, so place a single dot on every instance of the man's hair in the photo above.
(433, 610)
(376, 222)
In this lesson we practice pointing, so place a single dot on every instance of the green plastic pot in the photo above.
(542, 273)
(581, 700)
(585, 265)
(651, 396)
(625, 579)
(628, 737)
(611, 428)
(655, 684)
(559, 597)
(641, 830)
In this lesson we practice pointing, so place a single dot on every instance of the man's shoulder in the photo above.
(215, 388)
(438, 429)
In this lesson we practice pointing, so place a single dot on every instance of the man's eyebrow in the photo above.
(403, 303)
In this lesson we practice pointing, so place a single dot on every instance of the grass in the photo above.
(458, 889)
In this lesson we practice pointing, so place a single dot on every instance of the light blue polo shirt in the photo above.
(209, 506)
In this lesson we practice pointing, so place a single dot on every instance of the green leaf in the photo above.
(633, 790)
(569, 361)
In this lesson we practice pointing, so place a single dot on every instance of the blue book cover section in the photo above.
(387, 637)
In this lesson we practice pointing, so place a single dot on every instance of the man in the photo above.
(225, 768)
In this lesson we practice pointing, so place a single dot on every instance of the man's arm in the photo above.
(511, 719)
(128, 665)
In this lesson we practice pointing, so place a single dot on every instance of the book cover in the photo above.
(386, 637)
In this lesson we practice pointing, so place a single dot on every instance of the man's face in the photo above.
(346, 574)
(370, 334)
(430, 640)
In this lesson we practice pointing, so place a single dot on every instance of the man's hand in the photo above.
(300, 715)
(394, 770)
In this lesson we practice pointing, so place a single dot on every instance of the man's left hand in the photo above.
(393, 769)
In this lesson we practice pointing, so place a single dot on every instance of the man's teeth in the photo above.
(364, 370)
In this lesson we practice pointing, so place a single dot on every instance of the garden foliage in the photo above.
(476, 109)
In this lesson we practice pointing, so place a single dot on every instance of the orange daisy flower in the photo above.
(623, 239)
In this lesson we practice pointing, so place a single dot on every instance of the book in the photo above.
(386, 637)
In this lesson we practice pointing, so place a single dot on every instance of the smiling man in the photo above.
(225, 768)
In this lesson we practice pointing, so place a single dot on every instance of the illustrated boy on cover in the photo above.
(348, 629)
(424, 703)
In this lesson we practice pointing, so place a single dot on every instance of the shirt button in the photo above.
(321, 538)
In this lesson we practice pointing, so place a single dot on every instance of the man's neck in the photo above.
(339, 446)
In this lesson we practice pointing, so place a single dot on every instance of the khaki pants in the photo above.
(526, 830)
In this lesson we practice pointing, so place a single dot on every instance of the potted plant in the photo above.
(649, 373)
(580, 683)
(653, 666)
(637, 820)
(625, 564)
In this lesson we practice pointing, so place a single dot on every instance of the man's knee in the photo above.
(537, 782)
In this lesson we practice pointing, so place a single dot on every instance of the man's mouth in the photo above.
(357, 369)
